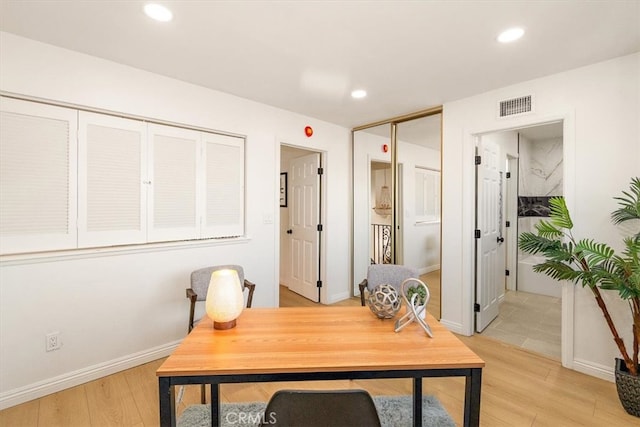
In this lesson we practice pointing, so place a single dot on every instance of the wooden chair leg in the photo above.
(203, 394)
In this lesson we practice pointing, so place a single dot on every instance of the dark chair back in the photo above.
(321, 408)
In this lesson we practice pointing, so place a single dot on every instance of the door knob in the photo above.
(289, 231)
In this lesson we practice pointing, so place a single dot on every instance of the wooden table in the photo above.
(317, 343)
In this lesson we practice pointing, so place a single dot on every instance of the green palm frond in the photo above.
(548, 230)
(559, 213)
(532, 243)
(632, 248)
(560, 251)
(593, 253)
(629, 204)
(558, 270)
(620, 274)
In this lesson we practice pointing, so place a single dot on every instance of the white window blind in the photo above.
(224, 186)
(112, 208)
(173, 154)
(37, 177)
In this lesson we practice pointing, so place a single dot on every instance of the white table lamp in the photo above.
(225, 300)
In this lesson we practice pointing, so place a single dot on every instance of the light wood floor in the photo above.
(519, 388)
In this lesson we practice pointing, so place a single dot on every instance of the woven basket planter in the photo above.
(628, 389)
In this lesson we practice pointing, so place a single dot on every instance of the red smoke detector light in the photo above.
(308, 130)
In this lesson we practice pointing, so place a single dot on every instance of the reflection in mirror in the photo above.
(371, 219)
(419, 155)
(380, 236)
(418, 200)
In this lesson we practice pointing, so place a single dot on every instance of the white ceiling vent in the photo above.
(511, 107)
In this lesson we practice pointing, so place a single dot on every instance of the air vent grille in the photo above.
(515, 106)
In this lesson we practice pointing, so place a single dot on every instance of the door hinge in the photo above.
(507, 224)
(476, 308)
(319, 227)
(478, 160)
(319, 283)
(477, 234)
(508, 174)
(506, 272)
(320, 171)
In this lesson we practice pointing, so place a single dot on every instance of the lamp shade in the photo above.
(224, 298)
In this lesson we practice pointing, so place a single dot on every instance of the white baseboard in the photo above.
(338, 297)
(81, 376)
(594, 369)
(429, 269)
(452, 326)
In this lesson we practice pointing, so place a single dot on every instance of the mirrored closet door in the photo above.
(396, 197)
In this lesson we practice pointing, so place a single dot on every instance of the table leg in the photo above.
(215, 405)
(472, 398)
(417, 402)
(167, 403)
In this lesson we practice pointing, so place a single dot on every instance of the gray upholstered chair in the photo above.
(390, 274)
(198, 292)
(321, 408)
(200, 285)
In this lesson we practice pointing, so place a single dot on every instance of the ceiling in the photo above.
(307, 56)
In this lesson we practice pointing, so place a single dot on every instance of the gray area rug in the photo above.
(394, 411)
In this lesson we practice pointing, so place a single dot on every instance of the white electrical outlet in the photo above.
(53, 341)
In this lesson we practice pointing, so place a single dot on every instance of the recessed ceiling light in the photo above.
(510, 35)
(158, 12)
(359, 93)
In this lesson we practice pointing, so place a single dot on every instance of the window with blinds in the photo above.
(173, 177)
(224, 186)
(76, 179)
(111, 171)
(37, 177)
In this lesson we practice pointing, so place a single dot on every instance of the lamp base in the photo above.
(224, 325)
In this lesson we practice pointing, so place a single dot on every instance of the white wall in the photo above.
(119, 308)
(600, 106)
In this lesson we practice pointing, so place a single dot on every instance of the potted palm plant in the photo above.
(598, 267)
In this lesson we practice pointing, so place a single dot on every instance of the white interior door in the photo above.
(304, 184)
(490, 260)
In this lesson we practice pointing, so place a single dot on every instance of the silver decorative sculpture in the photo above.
(384, 301)
(413, 313)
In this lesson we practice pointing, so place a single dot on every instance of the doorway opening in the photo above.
(513, 303)
(301, 197)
